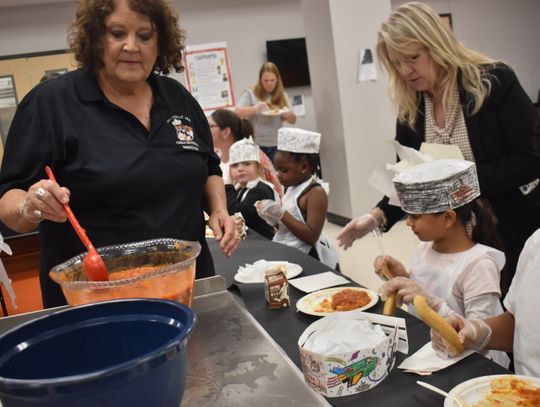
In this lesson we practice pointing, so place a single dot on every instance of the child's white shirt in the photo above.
(468, 281)
(458, 277)
(521, 301)
(327, 254)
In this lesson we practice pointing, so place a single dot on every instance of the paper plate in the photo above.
(270, 112)
(474, 390)
(310, 304)
(292, 270)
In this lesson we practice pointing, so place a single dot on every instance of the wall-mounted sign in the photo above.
(208, 75)
(8, 97)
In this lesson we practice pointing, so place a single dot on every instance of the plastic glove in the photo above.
(474, 334)
(386, 267)
(406, 289)
(356, 229)
(271, 211)
(261, 107)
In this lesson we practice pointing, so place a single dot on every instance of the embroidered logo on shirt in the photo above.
(184, 132)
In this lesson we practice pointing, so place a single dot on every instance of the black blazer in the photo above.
(247, 206)
(501, 138)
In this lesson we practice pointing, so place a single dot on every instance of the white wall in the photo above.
(244, 24)
(322, 59)
(34, 28)
(354, 117)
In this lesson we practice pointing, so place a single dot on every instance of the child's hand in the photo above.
(387, 267)
(404, 288)
(474, 334)
(271, 211)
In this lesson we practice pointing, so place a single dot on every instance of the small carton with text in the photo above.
(276, 287)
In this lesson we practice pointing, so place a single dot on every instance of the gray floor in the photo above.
(357, 262)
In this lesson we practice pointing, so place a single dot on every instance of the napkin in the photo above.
(318, 281)
(254, 273)
(340, 335)
(426, 361)
(382, 180)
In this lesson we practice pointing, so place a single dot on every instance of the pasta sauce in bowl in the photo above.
(158, 268)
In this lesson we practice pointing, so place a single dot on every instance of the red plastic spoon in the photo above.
(93, 264)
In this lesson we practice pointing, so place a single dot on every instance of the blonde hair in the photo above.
(417, 24)
(277, 97)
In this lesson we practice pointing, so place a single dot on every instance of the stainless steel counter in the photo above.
(232, 361)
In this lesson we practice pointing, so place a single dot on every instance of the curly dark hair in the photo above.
(313, 160)
(86, 31)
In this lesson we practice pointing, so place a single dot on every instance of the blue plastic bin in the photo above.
(117, 353)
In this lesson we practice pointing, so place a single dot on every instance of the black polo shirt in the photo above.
(127, 183)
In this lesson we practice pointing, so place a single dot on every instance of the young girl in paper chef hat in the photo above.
(248, 188)
(301, 214)
(450, 267)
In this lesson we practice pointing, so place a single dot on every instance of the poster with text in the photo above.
(208, 76)
(8, 96)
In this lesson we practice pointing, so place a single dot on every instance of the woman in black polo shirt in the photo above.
(131, 149)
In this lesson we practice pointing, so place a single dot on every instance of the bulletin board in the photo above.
(19, 74)
(208, 75)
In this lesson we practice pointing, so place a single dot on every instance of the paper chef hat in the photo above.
(243, 150)
(298, 141)
(436, 186)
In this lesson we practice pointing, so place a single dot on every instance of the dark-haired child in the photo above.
(301, 215)
(455, 266)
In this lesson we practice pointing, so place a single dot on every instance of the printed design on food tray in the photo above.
(390, 360)
(353, 372)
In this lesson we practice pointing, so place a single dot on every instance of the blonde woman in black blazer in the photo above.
(449, 94)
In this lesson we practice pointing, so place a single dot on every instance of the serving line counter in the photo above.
(232, 361)
(286, 325)
(241, 353)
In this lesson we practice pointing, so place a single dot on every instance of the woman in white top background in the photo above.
(267, 106)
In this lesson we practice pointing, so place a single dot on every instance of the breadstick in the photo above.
(390, 305)
(437, 323)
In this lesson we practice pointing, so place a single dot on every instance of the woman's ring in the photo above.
(37, 213)
(40, 193)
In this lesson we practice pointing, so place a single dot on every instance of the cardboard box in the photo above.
(356, 371)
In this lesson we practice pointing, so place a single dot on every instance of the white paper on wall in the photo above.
(208, 75)
(298, 106)
(366, 66)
